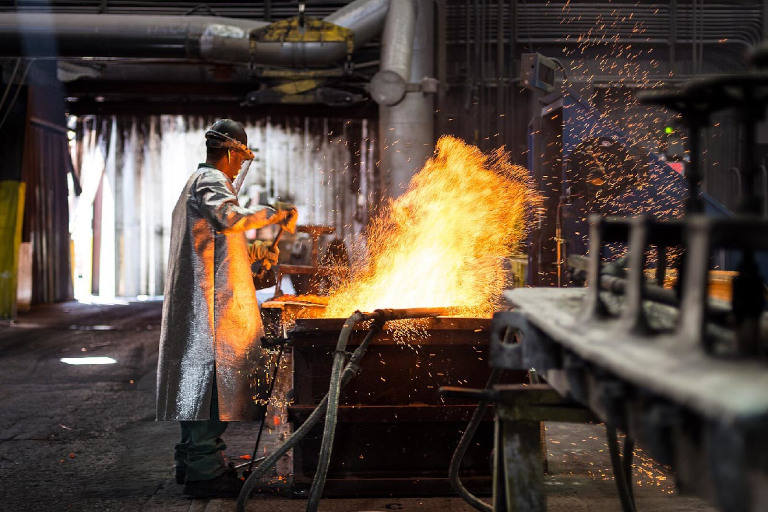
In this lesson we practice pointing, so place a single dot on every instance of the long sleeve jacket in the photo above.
(211, 325)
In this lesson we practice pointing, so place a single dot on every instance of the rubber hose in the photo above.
(297, 436)
(380, 316)
(331, 413)
(619, 472)
(270, 461)
(629, 452)
(461, 449)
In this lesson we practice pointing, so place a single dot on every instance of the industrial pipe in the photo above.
(406, 129)
(114, 35)
(204, 38)
(388, 85)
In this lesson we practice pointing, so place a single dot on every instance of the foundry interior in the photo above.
(527, 272)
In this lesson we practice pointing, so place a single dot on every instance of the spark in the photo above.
(443, 242)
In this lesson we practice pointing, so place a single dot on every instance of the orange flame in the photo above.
(442, 243)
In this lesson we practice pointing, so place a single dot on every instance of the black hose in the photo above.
(461, 449)
(270, 461)
(621, 472)
(332, 411)
(629, 452)
(350, 370)
(297, 436)
(380, 316)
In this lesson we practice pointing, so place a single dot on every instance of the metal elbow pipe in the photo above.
(364, 17)
(204, 38)
(389, 85)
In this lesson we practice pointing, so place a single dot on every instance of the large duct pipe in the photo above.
(364, 18)
(112, 35)
(209, 39)
(406, 138)
(389, 84)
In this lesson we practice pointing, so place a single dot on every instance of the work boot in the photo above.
(226, 485)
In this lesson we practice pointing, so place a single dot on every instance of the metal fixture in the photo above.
(680, 372)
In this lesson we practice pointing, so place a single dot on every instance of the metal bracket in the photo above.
(427, 86)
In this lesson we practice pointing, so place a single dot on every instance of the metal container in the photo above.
(280, 315)
(395, 434)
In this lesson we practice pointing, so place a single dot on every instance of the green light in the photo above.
(668, 130)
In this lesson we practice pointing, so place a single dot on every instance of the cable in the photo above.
(379, 317)
(561, 66)
(331, 415)
(622, 470)
(16, 95)
(629, 452)
(314, 418)
(10, 82)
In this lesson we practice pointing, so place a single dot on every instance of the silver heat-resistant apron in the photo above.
(211, 324)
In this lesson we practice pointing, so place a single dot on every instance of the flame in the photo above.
(443, 242)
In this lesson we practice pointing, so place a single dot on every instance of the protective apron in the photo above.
(211, 324)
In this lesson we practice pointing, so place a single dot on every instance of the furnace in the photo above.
(395, 434)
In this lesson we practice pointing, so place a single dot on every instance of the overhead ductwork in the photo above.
(406, 125)
(201, 38)
(389, 84)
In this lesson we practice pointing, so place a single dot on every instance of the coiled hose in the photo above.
(329, 404)
(461, 449)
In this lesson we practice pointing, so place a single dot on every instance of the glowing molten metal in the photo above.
(442, 243)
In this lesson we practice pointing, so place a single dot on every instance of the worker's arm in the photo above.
(217, 202)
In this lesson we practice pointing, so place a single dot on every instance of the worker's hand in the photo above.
(270, 260)
(287, 215)
(265, 252)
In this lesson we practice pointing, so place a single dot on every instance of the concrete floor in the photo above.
(83, 438)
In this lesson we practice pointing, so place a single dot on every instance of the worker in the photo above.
(210, 369)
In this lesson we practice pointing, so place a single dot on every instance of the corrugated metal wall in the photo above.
(132, 171)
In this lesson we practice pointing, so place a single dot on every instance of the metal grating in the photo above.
(611, 22)
(233, 9)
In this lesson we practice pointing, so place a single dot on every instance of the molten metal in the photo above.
(442, 243)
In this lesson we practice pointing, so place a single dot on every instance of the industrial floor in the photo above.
(83, 438)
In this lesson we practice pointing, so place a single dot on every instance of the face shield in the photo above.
(218, 139)
(244, 166)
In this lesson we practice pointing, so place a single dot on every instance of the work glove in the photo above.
(265, 252)
(287, 215)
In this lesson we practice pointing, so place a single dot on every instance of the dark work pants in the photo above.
(199, 453)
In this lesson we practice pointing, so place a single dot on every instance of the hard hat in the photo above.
(228, 134)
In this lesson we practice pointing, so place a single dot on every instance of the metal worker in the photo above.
(210, 368)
